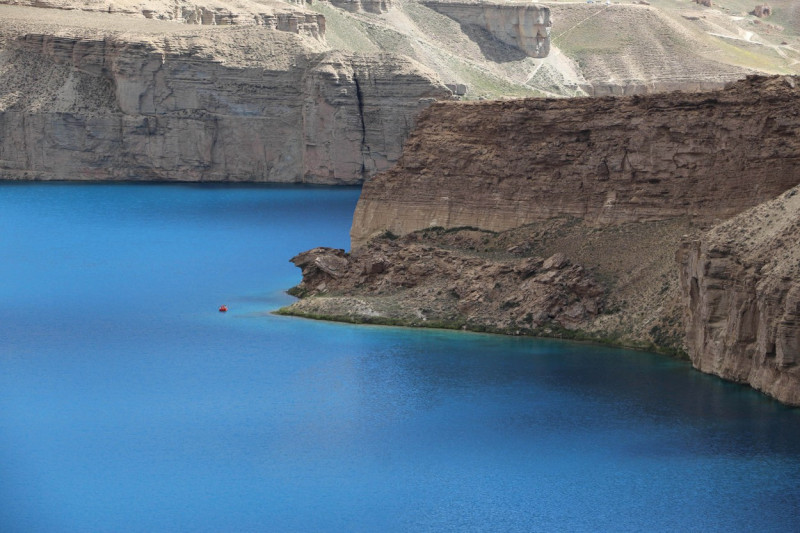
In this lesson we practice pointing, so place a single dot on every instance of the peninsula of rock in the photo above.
(566, 218)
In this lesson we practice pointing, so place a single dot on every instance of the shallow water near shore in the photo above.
(128, 403)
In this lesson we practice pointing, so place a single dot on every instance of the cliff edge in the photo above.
(741, 289)
(166, 101)
(500, 165)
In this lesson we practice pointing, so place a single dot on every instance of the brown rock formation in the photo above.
(741, 287)
(431, 285)
(762, 10)
(499, 165)
(560, 278)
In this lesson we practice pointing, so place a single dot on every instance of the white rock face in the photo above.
(112, 108)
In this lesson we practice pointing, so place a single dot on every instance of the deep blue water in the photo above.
(128, 403)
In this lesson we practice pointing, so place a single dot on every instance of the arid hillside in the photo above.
(596, 48)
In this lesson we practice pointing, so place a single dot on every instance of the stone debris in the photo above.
(761, 11)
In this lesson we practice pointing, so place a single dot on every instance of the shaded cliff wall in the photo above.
(741, 289)
(113, 108)
(523, 26)
(499, 165)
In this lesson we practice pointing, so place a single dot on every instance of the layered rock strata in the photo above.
(521, 25)
(270, 14)
(184, 108)
(499, 165)
(741, 288)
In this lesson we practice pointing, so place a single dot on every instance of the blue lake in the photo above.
(128, 403)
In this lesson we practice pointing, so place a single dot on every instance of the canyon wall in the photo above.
(523, 26)
(499, 165)
(741, 288)
(187, 108)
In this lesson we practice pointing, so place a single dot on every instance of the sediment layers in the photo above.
(269, 14)
(499, 165)
(741, 288)
(265, 106)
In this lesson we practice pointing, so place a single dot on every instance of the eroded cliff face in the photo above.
(370, 6)
(177, 108)
(741, 288)
(270, 14)
(500, 165)
(523, 26)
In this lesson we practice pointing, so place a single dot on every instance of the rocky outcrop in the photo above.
(557, 278)
(499, 165)
(523, 26)
(370, 6)
(177, 108)
(431, 285)
(762, 10)
(272, 15)
(741, 287)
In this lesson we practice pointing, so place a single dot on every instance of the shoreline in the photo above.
(551, 332)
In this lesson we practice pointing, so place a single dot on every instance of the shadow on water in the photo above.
(598, 387)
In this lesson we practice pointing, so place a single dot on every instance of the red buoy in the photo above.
(223, 308)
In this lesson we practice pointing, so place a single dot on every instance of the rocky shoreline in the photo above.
(552, 279)
(646, 222)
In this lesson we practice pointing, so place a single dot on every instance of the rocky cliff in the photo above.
(741, 288)
(299, 90)
(271, 14)
(563, 219)
(522, 26)
(499, 165)
(235, 104)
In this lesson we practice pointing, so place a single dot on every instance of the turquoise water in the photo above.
(128, 403)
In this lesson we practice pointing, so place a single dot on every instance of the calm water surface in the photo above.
(128, 403)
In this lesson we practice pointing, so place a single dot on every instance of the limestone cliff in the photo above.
(523, 26)
(499, 165)
(741, 288)
(371, 6)
(271, 14)
(194, 106)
